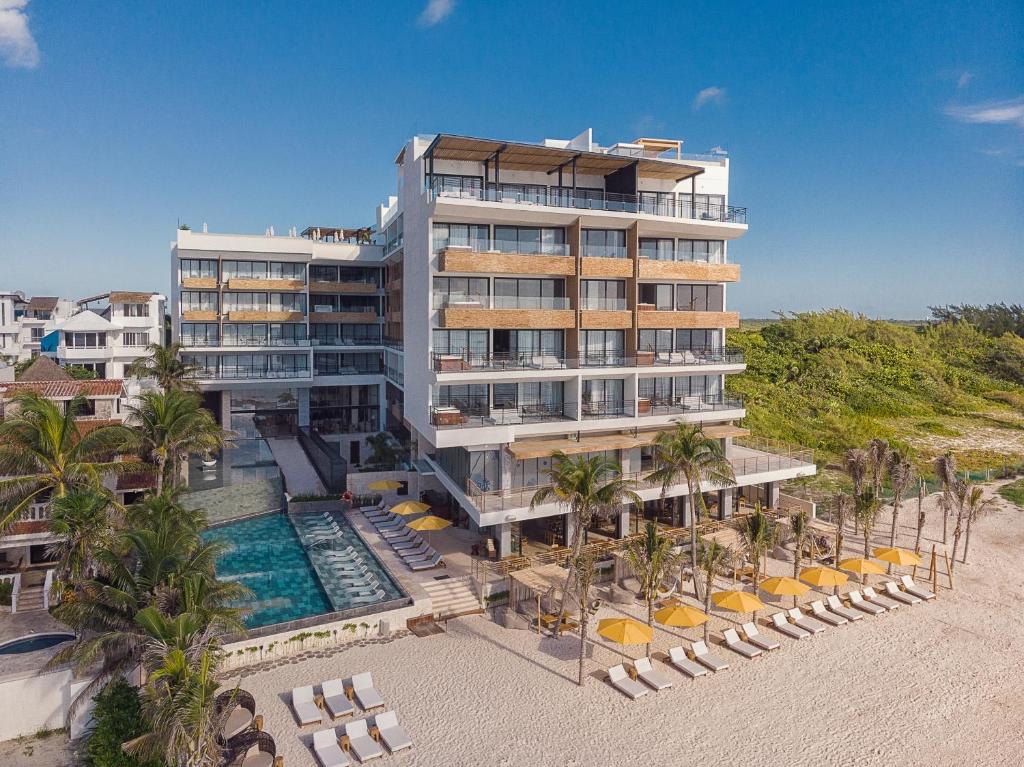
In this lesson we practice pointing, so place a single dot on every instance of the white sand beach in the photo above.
(939, 684)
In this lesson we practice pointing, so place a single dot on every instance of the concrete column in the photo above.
(503, 536)
(771, 492)
(622, 523)
(686, 510)
(505, 460)
(567, 523)
(304, 407)
(382, 406)
(726, 502)
(225, 409)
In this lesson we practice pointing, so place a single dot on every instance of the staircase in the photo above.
(452, 597)
(30, 598)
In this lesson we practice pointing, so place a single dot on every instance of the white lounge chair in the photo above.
(398, 532)
(436, 561)
(391, 732)
(807, 624)
(304, 706)
(893, 591)
(824, 614)
(872, 596)
(782, 625)
(620, 681)
(838, 608)
(758, 639)
(363, 746)
(327, 750)
(677, 657)
(913, 588)
(737, 645)
(703, 656)
(368, 599)
(858, 602)
(366, 694)
(335, 700)
(646, 673)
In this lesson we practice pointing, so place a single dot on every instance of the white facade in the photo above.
(25, 321)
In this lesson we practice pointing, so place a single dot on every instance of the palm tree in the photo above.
(166, 427)
(901, 474)
(855, 463)
(44, 455)
(865, 509)
(711, 556)
(972, 507)
(587, 488)
(945, 472)
(841, 503)
(583, 572)
(164, 364)
(920, 516)
(651, 560)
(83, 521)
(688, 454)
(878, 457)
(800, 527)
(757, 532)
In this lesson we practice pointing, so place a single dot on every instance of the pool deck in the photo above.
(22, 624)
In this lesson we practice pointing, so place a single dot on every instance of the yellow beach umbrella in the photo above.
(625, 631)
(898, 557)
(784, 586)
(737, 601)
(823, 577)
(427, 524)
(385, 484)
(863, 567)
(681, 616)
(405, 508)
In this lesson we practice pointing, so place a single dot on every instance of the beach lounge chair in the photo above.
(872, 596)
(368, 599)
(893, 591)
(734, 643)
(390, 527)
(398, 532)
(646, 673)
(366, 694)
(404, 544)
(677, 657)
(363, 746)
(858, 602)
(391, 732)
(912, 588)
(836, 607)
(804, 622)
(327, 750)
(435, 561)
(703, 656)
(305, 708)
(782, 625)
(335, 701)
(422, 551)
(758, 639)
(620, 681)
(822, 613)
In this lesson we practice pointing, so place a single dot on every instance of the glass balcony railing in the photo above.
(242, 342)
(477, 414)
(688, 403)
(471, 301)
(607, 408)
(461, 360)
(604, 304)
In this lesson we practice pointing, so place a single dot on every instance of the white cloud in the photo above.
(964, 79)
(17, 46)
(435, 12)
(712, 95)
(1010, 112)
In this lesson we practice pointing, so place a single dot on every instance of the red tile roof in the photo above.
(64, 389)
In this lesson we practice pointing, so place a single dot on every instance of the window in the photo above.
(709, 388)
(602, 347)
(344, 409)
(657, 203)
(136, 310)
(201, 268)
(657, 390)
(711, 251)
(698, 340)
(245, 334)
(457, 186)
(249, 270)
(245, 302)
(288, 302)
(699, 298)
(287, 334)
(333, 363)
(658, 295)
(198, 301)
(285, 270)
(603, 396)
(467, 343)
(513, 293)
(318, 273)
(469, 398)
(469, 290)
(199, 333)
(530, 240)
(657, 248)
(357, 274)
(604, 294)
(129, 338)
(604, 243)
(475, 236)
(708, 207)
(85, 340)
(36, 334)
(207, 364)
(525, 345)
(656, 340)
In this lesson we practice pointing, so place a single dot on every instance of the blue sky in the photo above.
(879, 147)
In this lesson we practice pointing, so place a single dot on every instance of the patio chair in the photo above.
(620, 681)
(649, 676)
(703, 656)
(911, 587)
(677, 657)
(304, 706)
(366, 694)
(737, 645)
(391, 732)
(893, 591)
(758, 639)
(858, 602)
(327, 750)
(838, 608)
(363, 746)
(822, 613)
(335, 701)
(368, 599)
(435, 561)
(422, 550)
(780, 624)
(805, 622)
(398, 532)
(872, 596)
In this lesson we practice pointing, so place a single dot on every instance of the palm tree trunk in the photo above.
(967, 538)
(161, 465)
(650, 619)
(957, 532)
(892, 531)
(920, 519)
(945, 522)
(584, 619)
(693, 541)
(867, 540)
(707, 604)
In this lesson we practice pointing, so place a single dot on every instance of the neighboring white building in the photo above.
(24, 322)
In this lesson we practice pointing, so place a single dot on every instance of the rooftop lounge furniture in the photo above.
(737, 645)
(421, 550)
(805, 622)
(398, 532)
(822, 613)
(677, 657)
(368, 599)
(304, 706)
(363, 746)
(703, 656)
(912, 588)
(391, 732)
(858, 602)
(366, 694)
(893, 591)
(435, 561)
(872, 596)
(758, 639)
(405, 544)
(649, 676)
(838, 608)
(327, 750)
(781, 624)
(336, 702)
(620, 681)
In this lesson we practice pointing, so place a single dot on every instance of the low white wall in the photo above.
(792, 503)
(32, 701)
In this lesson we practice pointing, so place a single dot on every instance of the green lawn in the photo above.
(1014, 492)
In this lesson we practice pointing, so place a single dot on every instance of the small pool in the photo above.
(33, 642)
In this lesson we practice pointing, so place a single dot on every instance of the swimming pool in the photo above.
(296, 572)
(33, 642)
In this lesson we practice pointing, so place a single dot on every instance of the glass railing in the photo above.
(246, 341)
(604, 304)
(347, 341)
(607, 408)
(531, 302)
(250, 373)
(465, 300)
(687, 403)
(470, 414)
(523, 248)
(653, 254)
(604, 251)
(705, 355)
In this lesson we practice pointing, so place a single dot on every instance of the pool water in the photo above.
(33, 643)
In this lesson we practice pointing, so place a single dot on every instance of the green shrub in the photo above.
(1014, 492)
(6, 593)
(118, 716)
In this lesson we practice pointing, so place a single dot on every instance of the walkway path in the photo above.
(299, 474)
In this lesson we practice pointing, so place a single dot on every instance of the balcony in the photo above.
(476, 260)
(511, 312)
(694, 271)
(565, 197)
(193, 283)
(355, 286)
(243, 342)
(705, 355)
(602, 266)
(473, 362)
(649, 317)
(262, 283)
(265, 315)
(684, 404)
(255, 374)
(478, 415)
(607, 408)
(199, 315)
(354, 316)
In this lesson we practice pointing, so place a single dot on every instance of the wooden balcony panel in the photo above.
(265, 316)
(606, 267)
(209, 283)
(245, 283)
(320, 318)
(598, 319)
(191, 315)
(506, 263)
(526, 319)
(656, 319)
(695, 271)
(362, 288)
